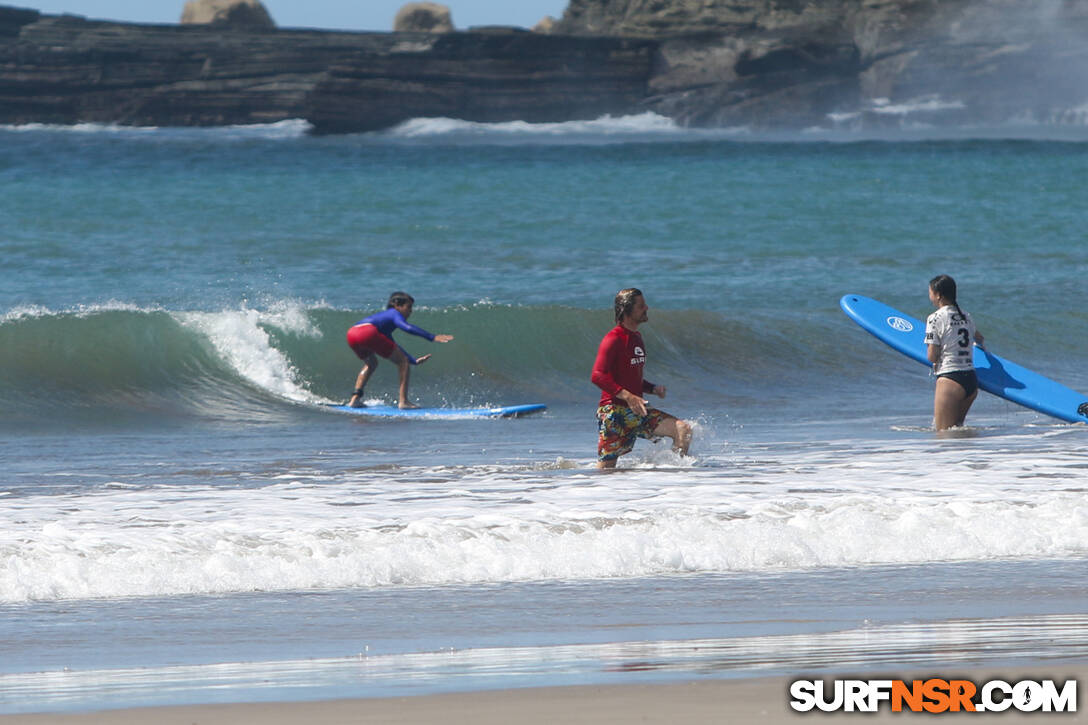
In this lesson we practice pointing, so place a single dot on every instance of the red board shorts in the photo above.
(619, 427)
(365, 339)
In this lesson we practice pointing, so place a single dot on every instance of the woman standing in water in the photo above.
(950, 335)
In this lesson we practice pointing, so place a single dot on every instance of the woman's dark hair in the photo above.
(945, 287)
(625, 300)
(399, 299)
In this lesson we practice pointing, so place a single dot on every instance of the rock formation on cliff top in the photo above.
(423, 18)
(232, 13)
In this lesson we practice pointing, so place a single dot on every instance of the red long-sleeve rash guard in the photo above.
(618, 366)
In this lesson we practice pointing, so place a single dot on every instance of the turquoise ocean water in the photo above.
(182, 520)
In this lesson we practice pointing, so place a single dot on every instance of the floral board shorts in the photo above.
(619, 427)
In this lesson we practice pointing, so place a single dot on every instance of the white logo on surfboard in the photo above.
(898, 323)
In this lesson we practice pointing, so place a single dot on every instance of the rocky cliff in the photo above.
(781, 64)
(65, 70)
(483, 76)
(798, 63)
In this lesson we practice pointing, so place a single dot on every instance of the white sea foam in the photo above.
(903, 109)
(290, 128)
(605, 125)
(927, 104)
(88, 128)
(1063, 123)
(240, 339)
(23, 312)
(764, 510)
(643, 127)
(39, 311)
(1073, 116)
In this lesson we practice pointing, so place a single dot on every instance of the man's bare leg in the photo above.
(678, 430)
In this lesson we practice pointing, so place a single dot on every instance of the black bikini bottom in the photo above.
(966, 379)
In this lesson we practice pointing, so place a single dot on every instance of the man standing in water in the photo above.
(623, 414)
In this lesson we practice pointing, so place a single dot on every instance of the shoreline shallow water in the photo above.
(760, 699)
(472, 638)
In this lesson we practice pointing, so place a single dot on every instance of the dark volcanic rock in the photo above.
(12, 20)
(67, 70)
(484, 76)
(797, 63)
(771, 64)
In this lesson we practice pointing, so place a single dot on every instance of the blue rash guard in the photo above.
(390, 319)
